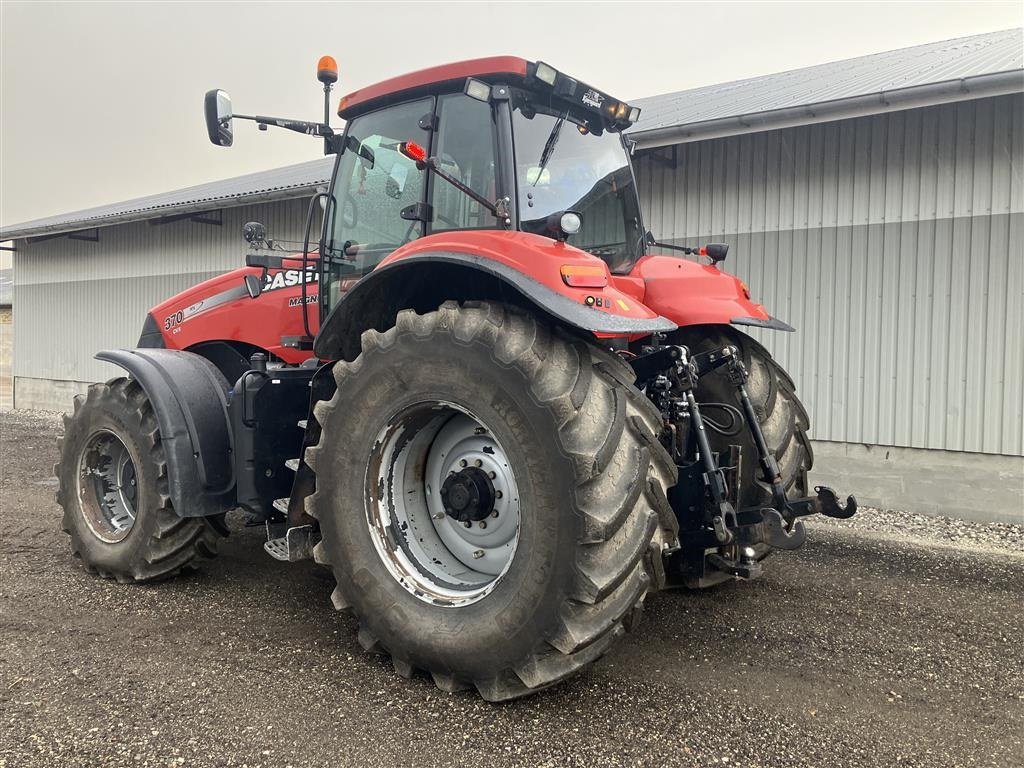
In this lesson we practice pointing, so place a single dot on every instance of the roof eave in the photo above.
(156, 213)
(932, 94)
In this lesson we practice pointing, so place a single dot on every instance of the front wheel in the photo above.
(113, 488)
(491, 496)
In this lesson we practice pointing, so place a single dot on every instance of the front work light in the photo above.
(546, 73)
(634, 114)
(477, 89)
(570, 222)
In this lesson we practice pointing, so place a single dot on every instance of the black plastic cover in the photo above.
(189, 398)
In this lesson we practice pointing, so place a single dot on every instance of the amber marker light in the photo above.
(584, 276)
(327, 70)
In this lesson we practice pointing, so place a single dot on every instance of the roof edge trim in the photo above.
(156, 213)
(932, 94)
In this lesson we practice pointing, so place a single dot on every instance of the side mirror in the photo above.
(217, 107)
(253, 285)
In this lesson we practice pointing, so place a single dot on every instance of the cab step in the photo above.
(292, 464)
(296, 544)
(281, 505)
(302, 423)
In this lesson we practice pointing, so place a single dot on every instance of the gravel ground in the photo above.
(892, 639)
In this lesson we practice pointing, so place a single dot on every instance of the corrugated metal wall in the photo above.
(895, 244)
(74, 297)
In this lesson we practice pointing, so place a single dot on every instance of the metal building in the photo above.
(875, 204)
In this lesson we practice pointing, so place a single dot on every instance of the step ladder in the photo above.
(298, 541)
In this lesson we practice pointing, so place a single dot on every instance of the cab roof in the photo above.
(365, 99)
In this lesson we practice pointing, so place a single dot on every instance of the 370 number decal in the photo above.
(173, 320)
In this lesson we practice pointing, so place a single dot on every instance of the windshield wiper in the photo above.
(549, 147)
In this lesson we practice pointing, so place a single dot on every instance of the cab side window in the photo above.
(465, 148)
(375, 184)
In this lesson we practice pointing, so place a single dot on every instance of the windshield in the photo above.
(562, 167)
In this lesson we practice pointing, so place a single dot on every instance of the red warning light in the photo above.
(413, 151)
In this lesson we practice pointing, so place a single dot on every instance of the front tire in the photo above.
(488, 385)
(113, 489)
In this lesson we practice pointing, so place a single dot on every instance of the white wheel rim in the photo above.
(434, 556)
(107, 487)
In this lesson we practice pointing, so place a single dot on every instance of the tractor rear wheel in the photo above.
(491, 497)
(113, 488)
(782, 416)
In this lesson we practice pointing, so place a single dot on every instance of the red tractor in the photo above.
(485, 398)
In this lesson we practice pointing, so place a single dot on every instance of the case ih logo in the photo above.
(593, 99)
(287, 278)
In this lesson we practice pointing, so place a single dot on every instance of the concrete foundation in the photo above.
(46, 394)
(972, 486)
(6, 354)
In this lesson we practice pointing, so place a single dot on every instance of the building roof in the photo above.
(950, 70)
(276, 184)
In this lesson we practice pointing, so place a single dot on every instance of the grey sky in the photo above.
(101, 102)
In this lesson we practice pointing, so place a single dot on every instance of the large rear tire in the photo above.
(782, 416)
(113, 489)
(524, 427)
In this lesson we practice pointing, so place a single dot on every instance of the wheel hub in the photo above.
(444, 516)
(107, 487)
(468, 496)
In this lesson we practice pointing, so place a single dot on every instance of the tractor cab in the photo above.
(497, 143)
(491, 144)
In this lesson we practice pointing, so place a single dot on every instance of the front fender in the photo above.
(189, 399)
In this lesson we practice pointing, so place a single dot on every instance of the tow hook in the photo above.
(829, 503)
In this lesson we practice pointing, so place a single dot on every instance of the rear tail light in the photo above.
(584, 276)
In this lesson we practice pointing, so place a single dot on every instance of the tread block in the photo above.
(602, 567)
(582, 624)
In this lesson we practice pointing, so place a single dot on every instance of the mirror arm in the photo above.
(299, 126)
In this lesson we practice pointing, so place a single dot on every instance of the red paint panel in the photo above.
(688, 293)
(221, 309)
(540, 258)
(352, 103)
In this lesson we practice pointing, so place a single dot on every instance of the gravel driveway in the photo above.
(892, 640)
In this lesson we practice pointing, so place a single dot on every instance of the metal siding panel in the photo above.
(1012, 416)
(97, 294)
(846, 230)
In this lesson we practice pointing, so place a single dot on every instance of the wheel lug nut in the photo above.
(467, 524)
(494, 513)
(493, 474)
(478, 463)
(497, 494)
(462, 462)
(483, 524)
(478, 554)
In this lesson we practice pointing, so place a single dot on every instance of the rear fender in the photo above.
(511, 267)
(189, 398)
(689, 293)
